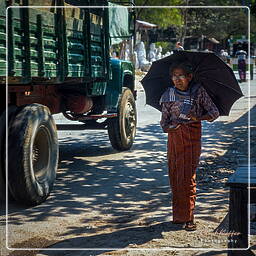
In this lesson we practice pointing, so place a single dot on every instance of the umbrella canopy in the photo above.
(209, 70)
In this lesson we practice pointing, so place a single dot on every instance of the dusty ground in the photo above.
(123, 199)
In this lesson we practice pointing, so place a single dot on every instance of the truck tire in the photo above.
(11, 111)
(122, 129)
(32, 154)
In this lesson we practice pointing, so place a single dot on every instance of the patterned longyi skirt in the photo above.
(184, 149)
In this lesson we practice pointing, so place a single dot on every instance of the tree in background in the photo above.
(163, 17)
(253, 22)
(220, 24)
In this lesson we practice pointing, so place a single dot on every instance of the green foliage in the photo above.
(218, 23)
(253, 9)
(163, 17)
(253, 21)
(166, 46)
(253, 29)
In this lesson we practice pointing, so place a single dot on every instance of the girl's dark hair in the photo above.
(186, 66)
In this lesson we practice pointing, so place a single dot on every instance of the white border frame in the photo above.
(132, 249)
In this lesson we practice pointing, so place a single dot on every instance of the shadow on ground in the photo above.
(117, 239)
(117, 183)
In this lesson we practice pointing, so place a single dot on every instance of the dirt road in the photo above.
(105, 200)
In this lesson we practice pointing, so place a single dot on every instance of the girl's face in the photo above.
(181, 79)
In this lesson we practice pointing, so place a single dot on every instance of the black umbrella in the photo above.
(209, 70)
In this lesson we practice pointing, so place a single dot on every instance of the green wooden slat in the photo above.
(97, 71)
(87, 43)
(32, 27)
(76, 67)
(25, 14)
(34, 66)
(18, 72)
(18, 52)
(3, 51)
(33, 42)
(49, 31)
(40, 45)
(96, 60)
(76, 74)
(50, 73)
(2, 72)
(99, 88)
(2, 36)
(50, 66)
(76, 70)
(96, 48)
(19, 65)
(95, 38)
(73, 58)
(11, 54)
(33, 53)
(2, 8)
(16, 13)
(18, 39)
(60, 27)
(17, 25)
(105, 45)
(50, 55)
(75, 46)
(34, 73)
(49, 43)
(2, 22)
(3, 66)
(74, 34)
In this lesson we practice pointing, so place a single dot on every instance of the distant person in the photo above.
(178, 47)
(241, 56)
(224, 55)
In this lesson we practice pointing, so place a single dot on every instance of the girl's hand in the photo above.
(204, 117)
(193, 118)
(172, 128)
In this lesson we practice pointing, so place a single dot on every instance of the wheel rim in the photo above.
(129, 121)
(41, 154)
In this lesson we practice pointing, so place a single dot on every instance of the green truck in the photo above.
(55, 58)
